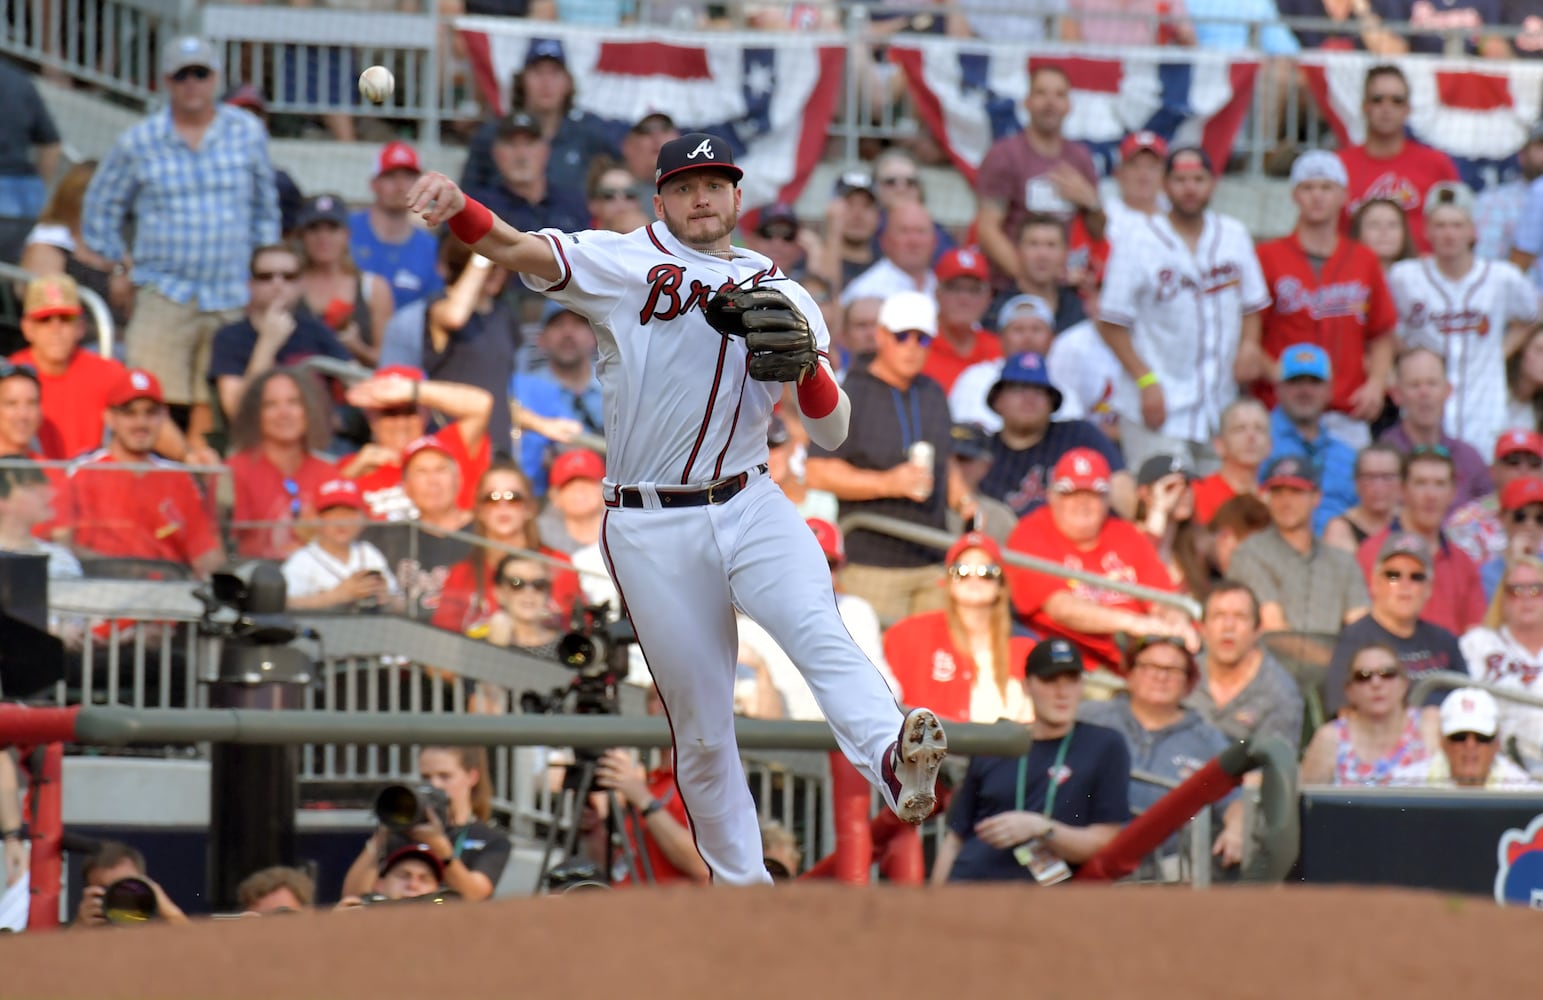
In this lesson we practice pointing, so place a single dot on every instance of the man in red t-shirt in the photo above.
(964, 294)
(395, 402)
(74, 383)
(158, 514)
(1036, 171)
(1389, 164)
(1075, 530)
(1325, 289)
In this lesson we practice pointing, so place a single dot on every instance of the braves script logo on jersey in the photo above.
(1449, 322)
(664, 292)
(1395, 188)
(1171, 284)
(1345, 298)
(704, 148)
(1498, 667)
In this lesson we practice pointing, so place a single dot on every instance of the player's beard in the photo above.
(702, 237)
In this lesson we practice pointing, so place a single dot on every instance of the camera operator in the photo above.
(655, 804)
(112, 862)
(276, 890)
(471, 851)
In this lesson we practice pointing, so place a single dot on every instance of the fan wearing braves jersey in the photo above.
(1471, 312)
(1325, 289)
(1389, 164)
(1180, 292)
(694, 526)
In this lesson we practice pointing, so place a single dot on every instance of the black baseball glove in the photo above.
(781, 346)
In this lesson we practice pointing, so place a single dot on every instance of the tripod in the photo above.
(578, 784)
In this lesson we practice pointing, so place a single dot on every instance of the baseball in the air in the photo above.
(376, 84)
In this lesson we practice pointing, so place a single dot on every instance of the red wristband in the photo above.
(818, 394)
(471, 223)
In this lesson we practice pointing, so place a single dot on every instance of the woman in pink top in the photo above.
(1376, 735)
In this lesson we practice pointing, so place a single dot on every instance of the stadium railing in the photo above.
(113, 45)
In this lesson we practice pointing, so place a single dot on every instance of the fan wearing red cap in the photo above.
(1477, 525)
(74, 383)
(1075, 530)
(1521, 512)
(395, 403)
(1139, 180)
(964, 295)
(686, 475)
(336, 570)
(576, 501)
(142, 515)
(1034, 172)
(383, 238)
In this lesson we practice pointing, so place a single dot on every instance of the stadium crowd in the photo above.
(1329, 441)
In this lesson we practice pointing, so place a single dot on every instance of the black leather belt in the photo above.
(720, 491)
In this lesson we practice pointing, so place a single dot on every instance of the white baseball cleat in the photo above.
(911, 765)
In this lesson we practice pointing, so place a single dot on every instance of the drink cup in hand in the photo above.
(921, 455)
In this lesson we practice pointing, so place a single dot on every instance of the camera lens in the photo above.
(397, 807)
(129, 901)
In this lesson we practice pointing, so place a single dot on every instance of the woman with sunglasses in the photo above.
(504, 515)
(1507, 649)
(1376, 734)
(1521, 520)
(524, 619)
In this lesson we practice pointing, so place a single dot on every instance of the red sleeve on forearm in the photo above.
(818, 394)
(471, 223)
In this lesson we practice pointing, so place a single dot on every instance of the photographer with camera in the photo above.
(450, 818)
(654, 817)
(119, 891)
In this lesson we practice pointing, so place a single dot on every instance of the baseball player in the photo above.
(1180, 290)
(1471, 312)
(696, 338)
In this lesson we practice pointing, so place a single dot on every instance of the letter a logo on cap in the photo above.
(705, 148)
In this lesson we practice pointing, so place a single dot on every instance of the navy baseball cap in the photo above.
(1027, 368)
(545, 48)
(694, 151)
(970, 441)
(1052, 658)
(323, 208)
(1290, 471)
(518, 123)
(1304, 361)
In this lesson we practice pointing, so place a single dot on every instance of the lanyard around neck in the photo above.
(1055, 774)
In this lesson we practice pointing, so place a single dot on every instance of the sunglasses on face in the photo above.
(1438, 450)
(57, 319)
(1469, 737)
(503, 496)
(1388, 99)
(1520, 459)
(264, 276)
(407, 410)
(1366, 676)
(613, 194)
(1524, 589)
(1521, 517)
(990, 571)
(520, 583)
(1399, 576)
(904, 337)
(192, 73)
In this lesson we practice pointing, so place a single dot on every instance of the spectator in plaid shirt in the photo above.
(197, 180)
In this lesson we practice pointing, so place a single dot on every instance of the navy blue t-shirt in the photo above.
(1020, 478)
(558, 210)
(232, 348)
(1094, 789)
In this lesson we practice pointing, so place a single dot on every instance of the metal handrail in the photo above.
(1429, 681)
(941, 540)
(98, 307)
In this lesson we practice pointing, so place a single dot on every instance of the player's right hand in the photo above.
(1154, 408)
(435, 197)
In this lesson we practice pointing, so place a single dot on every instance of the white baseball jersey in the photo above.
(644, 293)
(1493, 655)
(1465, 322)
(1086, 371)
(1185, 312)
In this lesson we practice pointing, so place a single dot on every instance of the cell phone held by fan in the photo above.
(1047, 867)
